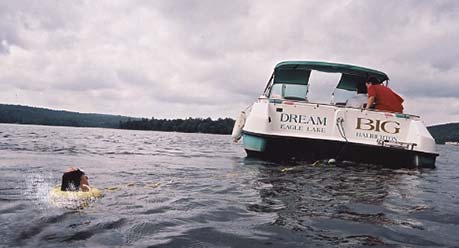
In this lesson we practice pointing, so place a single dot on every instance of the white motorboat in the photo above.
(282, 123)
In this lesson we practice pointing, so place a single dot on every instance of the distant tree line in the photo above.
(190, 125)
(41, 116)
(19, 114)
(445, 132)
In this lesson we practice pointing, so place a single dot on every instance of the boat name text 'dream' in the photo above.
(303, 123)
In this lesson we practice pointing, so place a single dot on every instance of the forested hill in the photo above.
(190, 125)
(445, 132)
(41, 116)
(30, 115)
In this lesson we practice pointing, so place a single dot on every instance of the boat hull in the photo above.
(274, 147)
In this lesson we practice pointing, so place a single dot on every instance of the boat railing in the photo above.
(290, 101)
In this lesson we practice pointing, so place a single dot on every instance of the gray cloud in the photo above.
(4, 47)
(212, 58)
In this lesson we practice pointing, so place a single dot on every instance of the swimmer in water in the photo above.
(75, 179)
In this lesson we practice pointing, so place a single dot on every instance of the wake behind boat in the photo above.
(282, 123)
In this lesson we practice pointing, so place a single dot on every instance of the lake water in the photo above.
(199, 190)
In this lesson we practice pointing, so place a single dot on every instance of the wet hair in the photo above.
(361, 88)
(71, 180)
(373, 80)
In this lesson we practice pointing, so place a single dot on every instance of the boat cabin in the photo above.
(291, 80)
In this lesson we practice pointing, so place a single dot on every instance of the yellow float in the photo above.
(73, 199)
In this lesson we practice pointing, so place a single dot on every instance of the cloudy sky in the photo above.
(211, 58)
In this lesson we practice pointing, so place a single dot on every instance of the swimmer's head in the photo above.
(71, 180)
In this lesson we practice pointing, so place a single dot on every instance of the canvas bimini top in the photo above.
(298, 72)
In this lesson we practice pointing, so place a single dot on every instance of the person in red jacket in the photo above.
(383, 97)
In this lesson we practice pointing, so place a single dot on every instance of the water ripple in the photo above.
(199, 190)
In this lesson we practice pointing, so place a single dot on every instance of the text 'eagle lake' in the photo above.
(291, 121)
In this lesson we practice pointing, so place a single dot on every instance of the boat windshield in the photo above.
(289, 91)
(314, 81)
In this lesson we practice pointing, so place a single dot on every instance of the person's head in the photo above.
(372, 80)
(361, 88)
(73, 179)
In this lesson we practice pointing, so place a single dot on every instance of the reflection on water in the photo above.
(188, 190)
(307, 197)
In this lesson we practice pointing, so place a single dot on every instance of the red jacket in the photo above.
(385, 98)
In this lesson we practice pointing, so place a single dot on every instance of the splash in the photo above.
(37, 189)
